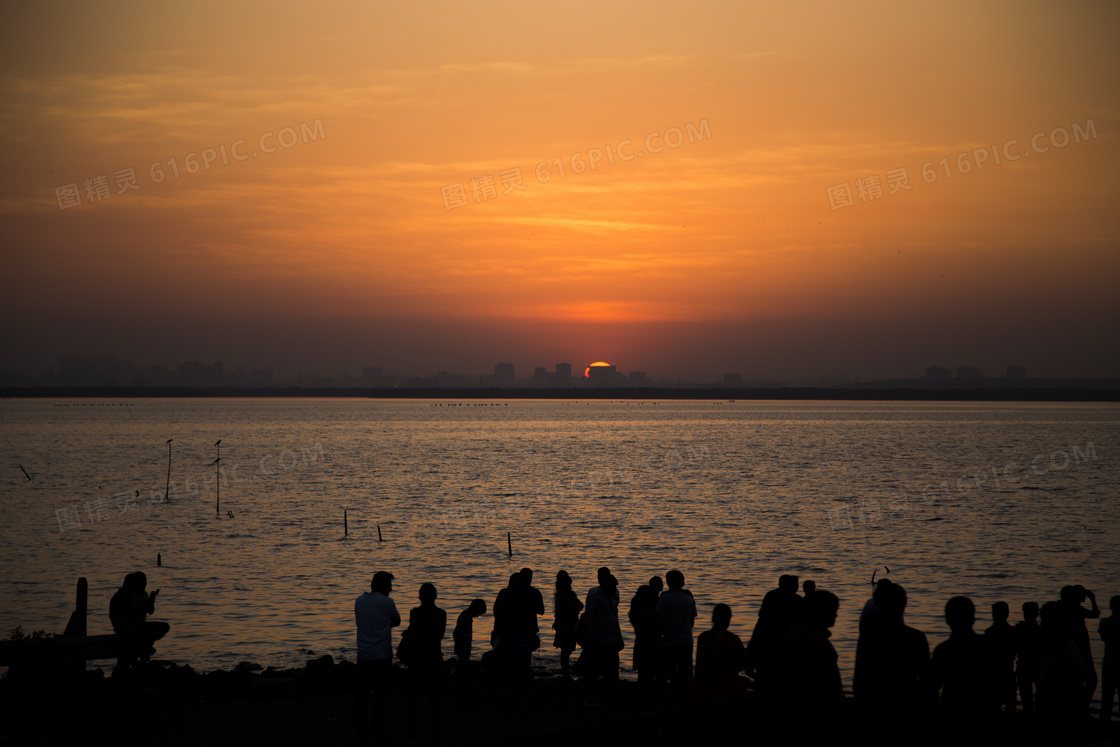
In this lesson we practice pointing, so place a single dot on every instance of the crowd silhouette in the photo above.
(967, 689)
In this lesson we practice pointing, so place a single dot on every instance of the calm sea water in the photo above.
(996, 501)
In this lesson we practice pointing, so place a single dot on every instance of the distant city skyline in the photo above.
(112, 371)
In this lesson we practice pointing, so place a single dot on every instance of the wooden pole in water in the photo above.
(167, 487)
(218, 469)
(378, 532)
(345, 525)
(217, 487)
(159, 559)
(509, 544)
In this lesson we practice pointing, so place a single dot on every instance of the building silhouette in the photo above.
(937, 373)
(504, 374)
(563, 375)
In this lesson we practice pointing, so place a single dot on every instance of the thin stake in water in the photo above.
(378, 532)
(509, 544)
(167, 487)
(159, 559)
(345, 525)
(217, 478)
(217, 487)
(21, 469)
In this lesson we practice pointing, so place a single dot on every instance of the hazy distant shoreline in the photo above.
(1041, 390)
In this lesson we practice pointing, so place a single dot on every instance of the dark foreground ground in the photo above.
(313, 706)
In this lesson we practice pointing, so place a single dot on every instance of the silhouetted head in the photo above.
(129, 583)
(477, 607)
(514, 580)
(1030, 611)
(563, 581)
(721, 617)
(1073, 594)
(602, 574)
(527, 574)
(1000, 611)
(1057, 624)
(890, 601)
(382, 582)
(788, 582)
(427, 593)
(656, 584)
(1114, 604)
(808, 586)
(675, 579)
(1054, 614)
(821, 608)
(960, 614)
(608, 582)
(139, 581)
(883, 582)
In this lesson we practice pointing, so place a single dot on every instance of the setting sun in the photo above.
(596, 364)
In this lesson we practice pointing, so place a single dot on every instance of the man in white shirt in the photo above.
(375, 615)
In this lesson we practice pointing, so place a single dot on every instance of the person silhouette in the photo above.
(963, 674)
(779, 612)
(720, 656)
(515, 637)
(1073, 597)
(869, 606)
(1002, 637)
(1109, 631)
(892, 666)
(676, 614)
(1028, 650)
(647, 638)
(1061, 676)
(463, 637)
(128, 612)
(375, 615)
(810, 672)
(602, 639)
(565, 612)
(426, 627)
(534, 599)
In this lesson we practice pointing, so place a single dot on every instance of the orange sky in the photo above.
(721, 254)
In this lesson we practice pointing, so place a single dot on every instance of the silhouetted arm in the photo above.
(540, 602)
(1094, 613)
(935, 680)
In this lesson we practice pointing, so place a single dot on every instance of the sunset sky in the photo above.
(355, 237)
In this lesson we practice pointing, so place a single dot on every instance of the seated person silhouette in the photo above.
(128, 612)
(719, 658)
